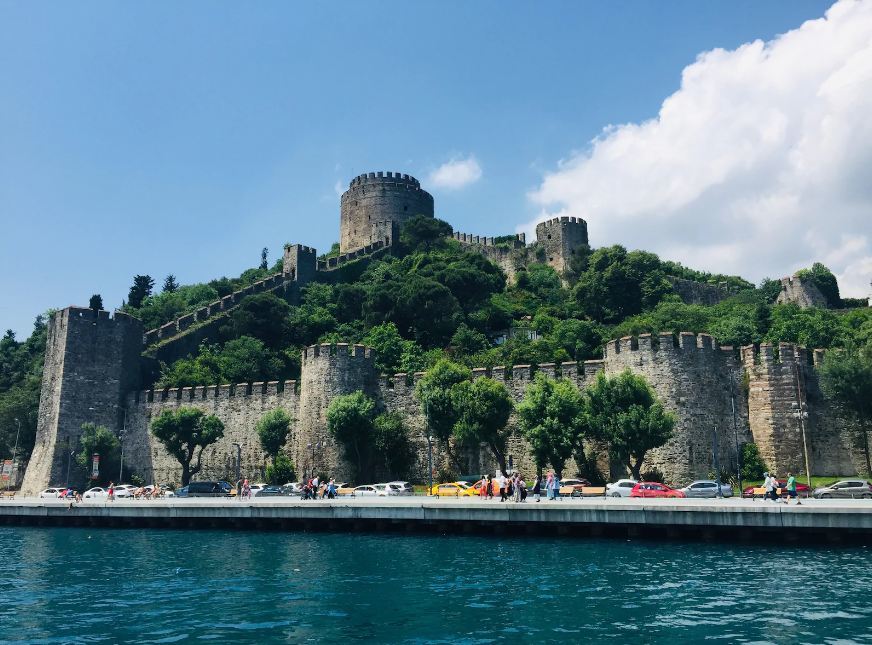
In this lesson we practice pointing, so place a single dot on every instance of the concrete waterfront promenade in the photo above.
(730, 519)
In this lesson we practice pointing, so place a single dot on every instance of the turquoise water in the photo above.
(113, 586)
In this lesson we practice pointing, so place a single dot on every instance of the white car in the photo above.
(386, 490)
(402, 488)
(51, 493)
(95, 493)
(256, 488)
(124, 491)
(620, 488)
(367, 490)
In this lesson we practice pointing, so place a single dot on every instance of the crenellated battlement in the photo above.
(665, 342)
(481, 240)
(341, 350)
(228, 302)
(329, 264)
(561, 221)
(790, 354)
(382, 177)
(280, 390)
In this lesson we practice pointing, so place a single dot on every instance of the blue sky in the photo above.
(182, 137)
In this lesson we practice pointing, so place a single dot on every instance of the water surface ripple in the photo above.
(138, 586)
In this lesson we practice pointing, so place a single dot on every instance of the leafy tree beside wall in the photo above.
(185, 433)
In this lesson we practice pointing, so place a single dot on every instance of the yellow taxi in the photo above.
(452, 489)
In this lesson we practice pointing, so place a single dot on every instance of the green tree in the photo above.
(391, 444)
(170, 284)
(350, 420)
(141, 289)
(846, 376)
(102, 441)
(248, 359)
(96, 302)
(272, 432)
(753, 466)
(552, 419)
(424, 233)
(625, 411)
(281, 471)
(264, 262)
(482, 408)
(434, 393)
(185, 432)
(264, 316)
(770, 289)
(467, 341)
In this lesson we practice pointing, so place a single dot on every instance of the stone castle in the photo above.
(723, 397)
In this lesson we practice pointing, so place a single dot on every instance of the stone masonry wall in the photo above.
(240, 407)
(801, 292)
(91, 360)
(696, 381)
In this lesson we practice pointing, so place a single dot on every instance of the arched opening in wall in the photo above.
(405, 208)
(549, 236)
(551, 259)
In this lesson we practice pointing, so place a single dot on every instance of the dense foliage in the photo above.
(185, 433)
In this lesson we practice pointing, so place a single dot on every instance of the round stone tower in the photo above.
(374, 206)
(329, 371)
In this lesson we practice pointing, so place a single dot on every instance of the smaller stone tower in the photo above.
(329, 371)
(91, 362)
(300, 263)
(561, 238)
(379, 199)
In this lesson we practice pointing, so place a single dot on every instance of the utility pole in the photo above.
(802, 414)
(736, 433)
(121, 438)
(715, 461)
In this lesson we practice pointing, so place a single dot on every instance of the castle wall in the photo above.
(91, 360)
(783, 399)
(508, 258)
(695, 380)
(379, 197)
(239, 407)
(698, 293)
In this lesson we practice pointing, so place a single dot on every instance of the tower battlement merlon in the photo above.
(381, 177)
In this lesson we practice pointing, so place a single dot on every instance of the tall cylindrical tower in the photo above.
(329, 371)
(377, 198)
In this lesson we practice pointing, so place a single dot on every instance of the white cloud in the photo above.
(338, 188)
(760, 164)
(456, 173)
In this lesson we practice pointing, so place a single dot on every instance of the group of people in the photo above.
(770, 483)
(314, 488)
(514, 487)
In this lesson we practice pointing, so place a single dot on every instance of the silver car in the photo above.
(706, 488)
(402, 488)
(850, 488)
(620, 488)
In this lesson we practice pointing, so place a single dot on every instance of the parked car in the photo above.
(706, 488)
(124, 490)
(51, 493)
(255, 488)
(366, 490)
(209, 489)
(847, 488)
(293, 488)
(271, 491)
(452, 489)
(344, 489)
(802, 490)
(402, 488)
(98, 492)
(620, 488)
(182, 492)
(654, 489)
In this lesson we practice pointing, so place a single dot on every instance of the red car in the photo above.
(802, 490)
(654, 489)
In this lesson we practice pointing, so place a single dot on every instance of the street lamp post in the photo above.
(715, 461)
(238, 460)
(70, 453)
(736, 433)
(802, 415)
(312, 446)
(121, 440)
(430, 463)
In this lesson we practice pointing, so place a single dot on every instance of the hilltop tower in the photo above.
(374, 206)
(561, 238)
(91, 362)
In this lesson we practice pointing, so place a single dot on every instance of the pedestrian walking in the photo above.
(556, 484)
(482, 488)
(490, 487)
(331, 489)
(770, 484)
(111, 491)
(501, 480)
(522, 485)
(791, 489)
(516, 481)
(537, 488)
(246, 489)
(239, 489)
(549, 486)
